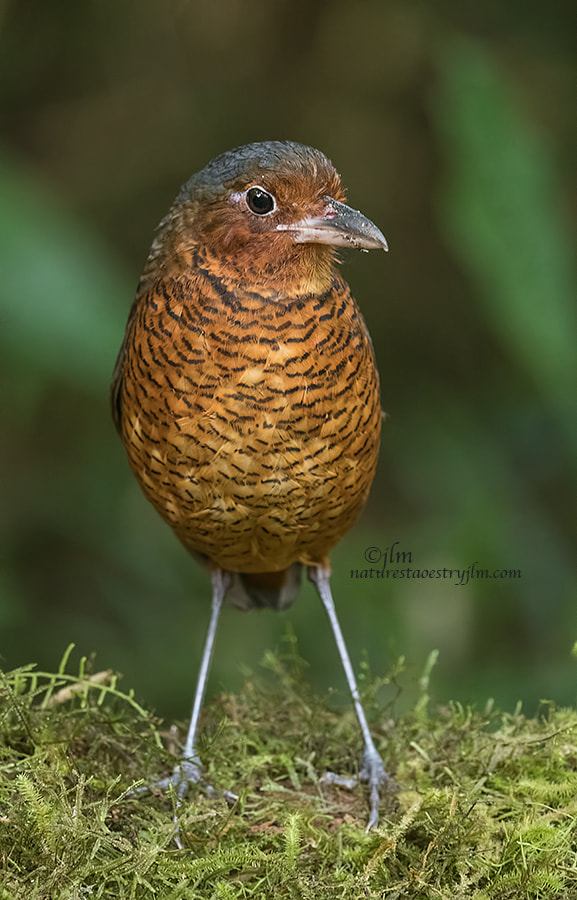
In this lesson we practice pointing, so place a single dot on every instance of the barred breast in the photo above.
(251, 422)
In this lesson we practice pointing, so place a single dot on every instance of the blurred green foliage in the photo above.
(451, 129)
(504, 221)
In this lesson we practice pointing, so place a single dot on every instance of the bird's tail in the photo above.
(276, 590)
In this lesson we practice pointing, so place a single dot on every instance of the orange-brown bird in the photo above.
(246, 392)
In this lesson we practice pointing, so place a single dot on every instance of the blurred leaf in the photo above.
(63, 298)
(502, 213)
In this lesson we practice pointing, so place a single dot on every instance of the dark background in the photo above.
(453, 125)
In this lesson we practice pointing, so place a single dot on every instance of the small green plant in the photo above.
(484, 804)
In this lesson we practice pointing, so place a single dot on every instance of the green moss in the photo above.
(485, 805)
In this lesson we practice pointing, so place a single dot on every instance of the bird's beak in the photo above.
(338, 225)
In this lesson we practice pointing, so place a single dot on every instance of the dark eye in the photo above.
(259, 201)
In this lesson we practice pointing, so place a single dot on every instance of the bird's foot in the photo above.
(185, 773)
(373, 771)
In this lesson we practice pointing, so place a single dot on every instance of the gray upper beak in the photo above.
(338, 225)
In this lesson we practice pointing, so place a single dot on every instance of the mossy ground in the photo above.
(485, 803)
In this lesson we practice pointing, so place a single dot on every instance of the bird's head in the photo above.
(273, 213)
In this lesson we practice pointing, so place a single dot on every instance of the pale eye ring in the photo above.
(259, 201)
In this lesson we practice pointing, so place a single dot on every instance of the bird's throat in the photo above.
(305, 270)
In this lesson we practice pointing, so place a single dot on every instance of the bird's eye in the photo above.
(259, 201)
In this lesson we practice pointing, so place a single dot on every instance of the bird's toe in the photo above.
(373, 771)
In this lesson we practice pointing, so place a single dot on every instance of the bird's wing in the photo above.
(118, 373)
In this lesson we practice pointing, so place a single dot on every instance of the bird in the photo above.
(246, 391)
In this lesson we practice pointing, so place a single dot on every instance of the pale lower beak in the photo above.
(340, 226)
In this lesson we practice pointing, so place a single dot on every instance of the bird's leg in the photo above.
(190, 764)
(372, 768)
(188, 770)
